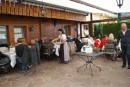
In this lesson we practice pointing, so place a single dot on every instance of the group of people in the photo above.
(30, 55)
(27, 56)
(123, 39)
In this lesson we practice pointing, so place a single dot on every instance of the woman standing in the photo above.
(64, 49)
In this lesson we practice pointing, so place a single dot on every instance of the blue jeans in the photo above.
(125, 54)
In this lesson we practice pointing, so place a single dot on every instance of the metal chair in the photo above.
(110, 51)
(48, 50)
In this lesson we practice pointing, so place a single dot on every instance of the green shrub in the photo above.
(106, 29)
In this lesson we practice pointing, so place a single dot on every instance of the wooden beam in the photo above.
(107, 20)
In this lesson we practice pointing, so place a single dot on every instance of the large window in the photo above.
(18, 33)
(3, 35)
(67, 30)
(85, 30)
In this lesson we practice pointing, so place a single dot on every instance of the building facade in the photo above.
(31, 21)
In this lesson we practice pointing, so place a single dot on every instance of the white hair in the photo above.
(111, 36)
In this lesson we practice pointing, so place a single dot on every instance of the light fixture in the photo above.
(119, 3)
(31, 28)
(43, 9)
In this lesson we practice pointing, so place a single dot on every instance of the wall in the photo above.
(45, 27)
(53, 25)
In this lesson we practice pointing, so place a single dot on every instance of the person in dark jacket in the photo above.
(124, 37)
(78, 44)
(22, 55)
(41, 42)
(35, 53)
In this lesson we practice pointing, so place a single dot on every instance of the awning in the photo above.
(68, 5)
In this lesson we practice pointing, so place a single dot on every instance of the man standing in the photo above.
(124, 37)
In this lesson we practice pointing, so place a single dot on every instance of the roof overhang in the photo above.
(58, 7)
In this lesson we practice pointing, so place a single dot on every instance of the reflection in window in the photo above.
(3, 35)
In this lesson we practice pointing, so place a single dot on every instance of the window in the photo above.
(18, 33)
(85, 30)
(67, 30)
(3, 35)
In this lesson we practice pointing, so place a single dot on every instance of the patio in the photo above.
(54, 74)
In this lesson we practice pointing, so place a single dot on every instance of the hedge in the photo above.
(105, 29)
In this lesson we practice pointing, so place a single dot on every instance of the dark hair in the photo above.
(105, 36)
(61, 30)
(19, 40)
(87, 36)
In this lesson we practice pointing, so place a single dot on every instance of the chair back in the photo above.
(48, 48)
(109, 48)
(72, 47)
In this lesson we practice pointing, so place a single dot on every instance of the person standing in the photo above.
(35, 53)
(64, 49)
(124, 37)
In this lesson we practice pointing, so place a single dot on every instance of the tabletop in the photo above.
(94, 54)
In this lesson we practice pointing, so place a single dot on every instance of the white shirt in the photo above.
(62, 37)
(90, 42)
(124, 32)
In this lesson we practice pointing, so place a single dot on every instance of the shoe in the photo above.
(65, 62)
(128, 66)
(123, 66)
(60, 62)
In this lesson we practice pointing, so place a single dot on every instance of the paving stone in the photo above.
(54, 74)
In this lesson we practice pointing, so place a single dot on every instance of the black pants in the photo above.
(125, 54)
(61, 53)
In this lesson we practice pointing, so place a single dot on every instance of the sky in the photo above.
(107, 4)
(111, 5)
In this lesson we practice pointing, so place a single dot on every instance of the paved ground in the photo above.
(54, 74)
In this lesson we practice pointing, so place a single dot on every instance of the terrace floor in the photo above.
(54, 74)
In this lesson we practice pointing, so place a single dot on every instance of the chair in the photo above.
(72, 48)
(47, 50)
(110, 51)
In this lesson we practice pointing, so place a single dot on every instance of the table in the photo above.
(90, 57)
(12, 55)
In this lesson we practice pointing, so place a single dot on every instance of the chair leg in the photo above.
(49, 56)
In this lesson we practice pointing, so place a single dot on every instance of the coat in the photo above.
(22, 53)
(35, 54)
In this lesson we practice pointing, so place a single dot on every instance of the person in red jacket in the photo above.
(96, 42)
(103, 41)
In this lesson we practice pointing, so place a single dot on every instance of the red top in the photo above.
(96, 43)
(103, 42)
